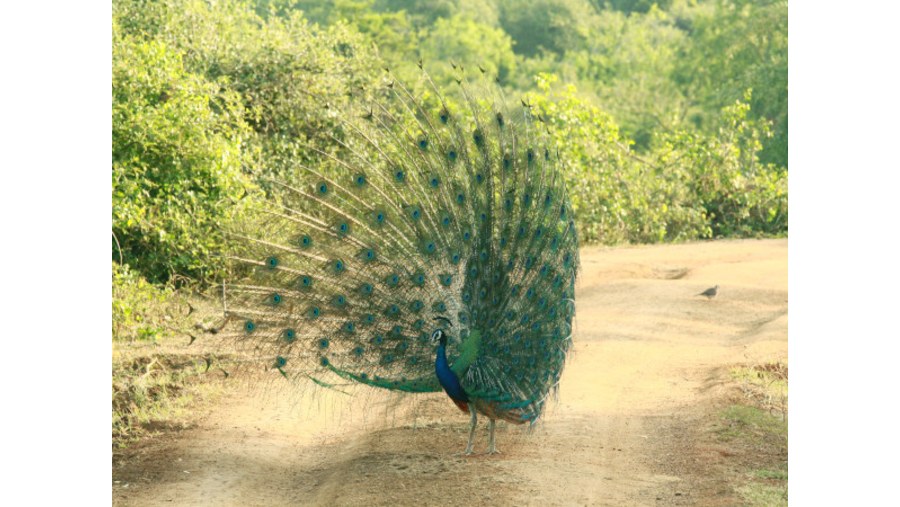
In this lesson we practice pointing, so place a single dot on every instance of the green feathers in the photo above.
(468, 353)
(428, 208)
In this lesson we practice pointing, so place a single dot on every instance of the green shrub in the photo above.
(617, 195)
(177, 162)
(740, 195)
(290, 77)
(138, 307)
(689, 185)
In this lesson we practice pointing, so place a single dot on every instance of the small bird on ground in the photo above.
(710, 292)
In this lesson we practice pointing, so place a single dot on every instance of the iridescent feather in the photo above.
(431, 215)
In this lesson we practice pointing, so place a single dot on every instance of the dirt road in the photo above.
(648, 357)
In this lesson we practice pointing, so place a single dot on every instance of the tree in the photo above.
(465, 41)
(740, 45)
(555, 26)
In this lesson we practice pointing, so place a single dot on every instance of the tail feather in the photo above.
(427, 208)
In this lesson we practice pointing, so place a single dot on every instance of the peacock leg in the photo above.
(472, 430)
(492, 449)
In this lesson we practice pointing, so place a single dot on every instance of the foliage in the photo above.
(138, 307)
(595, 166)
(738, 45)
(425, 13)
(741, 195)
(629, 6)
(629, 62)
(654, 65)
(460, 39)
(555, 26)
(689, 186)
(286, 72)
(392, 31)
(203, 99)
(660, 139)
(177, 161)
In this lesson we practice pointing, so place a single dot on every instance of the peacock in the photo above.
(434, 248)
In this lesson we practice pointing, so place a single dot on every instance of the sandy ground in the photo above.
(642, 380)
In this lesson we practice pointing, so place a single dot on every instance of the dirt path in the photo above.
(648, 356)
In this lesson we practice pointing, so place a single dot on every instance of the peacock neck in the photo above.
(447, 378)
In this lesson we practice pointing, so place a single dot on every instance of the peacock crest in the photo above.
(430, 214)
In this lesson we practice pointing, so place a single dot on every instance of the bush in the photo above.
(688, 186)
(138, 307)
(177, 162)
(740, 195)
(617, 195)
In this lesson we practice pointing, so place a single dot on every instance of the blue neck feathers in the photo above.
(445, 375)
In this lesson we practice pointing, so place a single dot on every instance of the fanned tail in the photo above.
(428, 208)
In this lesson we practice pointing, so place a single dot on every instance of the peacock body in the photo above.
(435, 249)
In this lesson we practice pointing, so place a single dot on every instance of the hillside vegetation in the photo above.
(670, 116)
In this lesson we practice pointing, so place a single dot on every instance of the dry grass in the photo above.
(158, 383)
(754, 426)
(154, 388)
(764, 385)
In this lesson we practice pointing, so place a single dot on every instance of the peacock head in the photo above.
(439, 337)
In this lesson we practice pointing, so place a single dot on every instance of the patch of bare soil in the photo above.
(638, 420)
